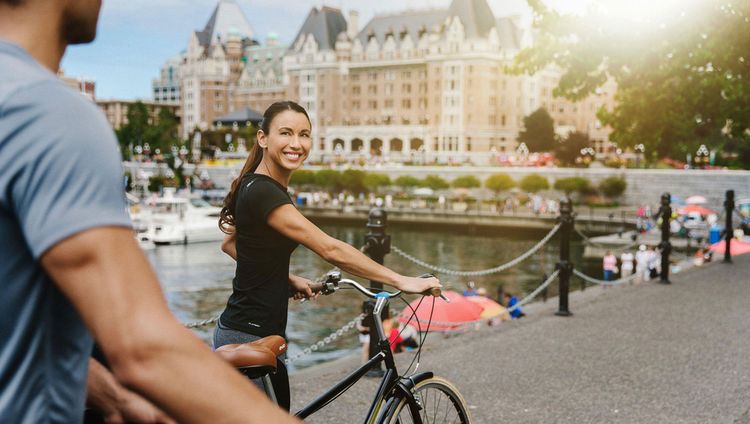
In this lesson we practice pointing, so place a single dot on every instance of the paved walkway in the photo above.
(633, 354)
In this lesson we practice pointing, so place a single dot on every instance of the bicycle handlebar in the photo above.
(333, 280)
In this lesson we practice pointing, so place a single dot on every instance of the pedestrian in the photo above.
(263, 229)
(609, 264)
(510, 303)
(470, 289)
(626, 264)
(71, 268)
(654, 263)
(641, 264)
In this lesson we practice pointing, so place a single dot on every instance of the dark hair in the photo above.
(226, 217)
(12, 3)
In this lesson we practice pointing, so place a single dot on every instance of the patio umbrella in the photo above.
(736, 247)
(445, 316)
(703, 211)
(490, 308)
(696, 200)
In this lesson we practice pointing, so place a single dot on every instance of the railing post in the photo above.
(665, 213)
(729, 209)
(565, 267)
(377, 245)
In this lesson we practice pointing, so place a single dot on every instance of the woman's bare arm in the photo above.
(287, 220)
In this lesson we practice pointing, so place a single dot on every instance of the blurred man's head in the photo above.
(77, 18)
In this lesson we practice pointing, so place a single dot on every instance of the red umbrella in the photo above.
(445, 316)
(736, 247)
(695, 209)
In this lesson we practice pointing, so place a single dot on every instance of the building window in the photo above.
(406, 103)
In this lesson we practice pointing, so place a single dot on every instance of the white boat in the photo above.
(180, 220)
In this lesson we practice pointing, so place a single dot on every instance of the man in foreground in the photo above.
(69, 264)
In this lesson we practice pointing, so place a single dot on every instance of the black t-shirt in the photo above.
(260, 290)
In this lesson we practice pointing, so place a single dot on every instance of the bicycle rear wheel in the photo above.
(441, 404)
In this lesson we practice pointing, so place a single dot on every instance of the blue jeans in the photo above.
(608, 274)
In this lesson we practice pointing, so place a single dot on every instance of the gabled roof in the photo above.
(240, 116)
(509, 33)
(325, 24)
(410, 23)
(227, 18)
(475, 15)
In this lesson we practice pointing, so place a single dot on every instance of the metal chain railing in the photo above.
(489, 271)
(593, 280)
(330, 338)
(520, 303)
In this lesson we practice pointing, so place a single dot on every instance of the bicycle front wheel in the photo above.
(441, 404)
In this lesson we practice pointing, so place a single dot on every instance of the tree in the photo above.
(573, 184)
(137, 130)
(374, 181)
(682, 79)
(533, 183)
(434, 182)
(466, 181)
(328, 179)
(499, 182)
(538, 132)
(353, 180)
(302, 177)
(407, 181)
(568, 149)
(613, 187)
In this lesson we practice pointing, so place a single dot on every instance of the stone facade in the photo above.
(417, 86)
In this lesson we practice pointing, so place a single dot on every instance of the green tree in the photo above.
(466, 181)
(613, 187)
(137, 131)
(302, 178)
(533, 183)
(568, 149)
(538, 132)
(407, 181)
(434, 182)
(353, 180)
(573, 184)
(328, 179)
(499, 182)
(374, 181)
(682, 80)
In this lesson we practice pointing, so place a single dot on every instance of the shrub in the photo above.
(573, 184)
(613, 187)
(499, 182)
(533, 183)
(407, 181)
(434, 182)
(328, 179)
(466, 181)
(375, 181)
(303, 177)
(353, 180)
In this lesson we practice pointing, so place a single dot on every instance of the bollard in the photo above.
(665, 213)
(377, 245)
(565, 267)
(729, 208)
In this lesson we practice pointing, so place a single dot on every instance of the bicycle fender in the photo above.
(406, 385)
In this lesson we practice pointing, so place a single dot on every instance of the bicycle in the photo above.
(418, 398)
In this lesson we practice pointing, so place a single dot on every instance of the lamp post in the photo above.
(640, 150)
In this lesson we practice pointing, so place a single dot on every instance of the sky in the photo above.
(135, 37)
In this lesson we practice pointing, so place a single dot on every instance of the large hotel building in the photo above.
(414, 86)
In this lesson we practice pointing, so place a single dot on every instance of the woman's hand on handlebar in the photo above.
(417, 285)
(300, 288)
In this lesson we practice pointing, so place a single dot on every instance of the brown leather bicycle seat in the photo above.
(261, 352)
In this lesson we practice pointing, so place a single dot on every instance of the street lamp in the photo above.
(701, 156)
(640, 149)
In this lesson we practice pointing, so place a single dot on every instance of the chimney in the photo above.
(353, 24)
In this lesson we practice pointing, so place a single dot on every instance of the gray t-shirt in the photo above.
(60, 174)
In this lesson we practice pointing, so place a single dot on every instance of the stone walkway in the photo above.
(645, 353)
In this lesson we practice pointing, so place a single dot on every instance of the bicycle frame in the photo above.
(387, 384)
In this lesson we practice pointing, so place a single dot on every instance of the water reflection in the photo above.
(185, 272)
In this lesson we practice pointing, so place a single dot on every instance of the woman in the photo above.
(263, 228)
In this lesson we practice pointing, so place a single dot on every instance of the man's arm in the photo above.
(116, 403)
(110, 282)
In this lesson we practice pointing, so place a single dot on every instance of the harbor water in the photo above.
(197, 279)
